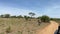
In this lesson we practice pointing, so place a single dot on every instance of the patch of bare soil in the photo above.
(50, 29)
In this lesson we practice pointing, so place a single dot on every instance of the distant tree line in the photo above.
(14, 16)
(20, 16)
(43, 18)
(9, 16)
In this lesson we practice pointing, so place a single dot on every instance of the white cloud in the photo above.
(14, 11)
(17, 11)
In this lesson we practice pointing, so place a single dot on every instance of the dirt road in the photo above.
(49, 29)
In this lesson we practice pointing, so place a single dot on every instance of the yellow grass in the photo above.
(20, 26)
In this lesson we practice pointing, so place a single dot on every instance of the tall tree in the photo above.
(31, 14)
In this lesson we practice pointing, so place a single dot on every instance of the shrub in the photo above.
(51, 18)
(45, 18)
(8, 30)
(19, 16)
(1, 16)
(19, 32)
(26, 17)
(39, 17)
(12, 16)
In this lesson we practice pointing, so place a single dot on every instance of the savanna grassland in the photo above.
(20, 26)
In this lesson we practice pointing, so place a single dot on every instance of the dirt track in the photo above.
(50, 29)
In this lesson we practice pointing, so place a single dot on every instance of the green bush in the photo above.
(45, 18)
(12, 16)
(26, 17)
(19, 16)
(39, 17)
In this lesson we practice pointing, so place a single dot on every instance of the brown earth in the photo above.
(50, 29)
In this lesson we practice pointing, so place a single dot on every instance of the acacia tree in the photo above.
(31, 14)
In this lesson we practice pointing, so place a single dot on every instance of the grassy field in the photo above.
(19, 26)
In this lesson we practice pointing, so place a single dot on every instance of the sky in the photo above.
(23, 7)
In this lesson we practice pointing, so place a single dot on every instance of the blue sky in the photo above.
(23, 7)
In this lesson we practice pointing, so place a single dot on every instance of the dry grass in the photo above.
(20, 26)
